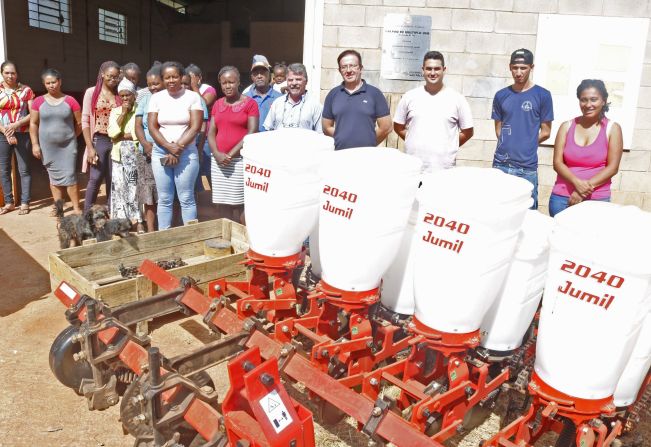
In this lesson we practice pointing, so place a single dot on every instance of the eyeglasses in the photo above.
(349, 67)
(113, 78)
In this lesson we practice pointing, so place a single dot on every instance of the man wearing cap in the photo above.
(295, 109)
(523, 113)
(433, 119)
(352, 109)
(261, 89)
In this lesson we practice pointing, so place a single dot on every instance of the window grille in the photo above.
(53, 15)
(112, 27)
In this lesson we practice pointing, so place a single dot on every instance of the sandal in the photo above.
(140, 228)
(7, 208)
(24, 209)
(53, 211)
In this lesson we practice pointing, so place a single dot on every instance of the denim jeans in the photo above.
(182, 177)
(204, 166)
(23, 153)
(99, 173)
(559, 203)
(530, 175)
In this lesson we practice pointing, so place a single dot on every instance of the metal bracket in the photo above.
(379, 411)
(72, 313)
(286, 353)
(215, 306)
(99, 398)
(207, 355)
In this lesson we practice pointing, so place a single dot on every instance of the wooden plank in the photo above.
(98, 271)
(144, 243)
(115, 278)
(238, 232)
(59, 271)
(125, 291)
(227, 226)
(101, 270)
(144, 289)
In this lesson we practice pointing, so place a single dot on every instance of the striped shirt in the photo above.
(305, 114)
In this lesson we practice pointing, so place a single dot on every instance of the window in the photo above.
(53, 15)
(178, 6)
(112, 27)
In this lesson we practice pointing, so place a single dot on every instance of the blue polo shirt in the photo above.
(355, 114)
(521, 114)
(264, 103)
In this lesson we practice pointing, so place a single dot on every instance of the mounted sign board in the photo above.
(571, 48)
(405, 40)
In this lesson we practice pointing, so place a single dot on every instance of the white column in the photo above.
(3, 40)
(312, 42)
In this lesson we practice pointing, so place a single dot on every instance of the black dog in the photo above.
(77, 228)
(114, 227)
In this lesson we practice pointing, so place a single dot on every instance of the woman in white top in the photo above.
(174, 117)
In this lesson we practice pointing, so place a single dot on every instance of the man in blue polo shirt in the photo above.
(523, 115)
(352, 109)
(261, 89)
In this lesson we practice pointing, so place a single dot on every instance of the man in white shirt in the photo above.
(296, 108)
(434, 120)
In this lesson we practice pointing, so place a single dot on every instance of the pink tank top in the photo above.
(584, 162)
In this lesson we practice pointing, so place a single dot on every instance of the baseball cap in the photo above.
(260, 61)
(522, 56)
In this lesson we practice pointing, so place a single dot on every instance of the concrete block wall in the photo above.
(477, 37)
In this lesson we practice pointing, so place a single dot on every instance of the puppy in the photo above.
(114, 227)
(77, 228)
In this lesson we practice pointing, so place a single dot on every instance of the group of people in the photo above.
(153, 144)
(435, 121)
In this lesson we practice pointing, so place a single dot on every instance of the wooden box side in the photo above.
(109, 251)
(203, 272)
(60, 271)
(103, 271)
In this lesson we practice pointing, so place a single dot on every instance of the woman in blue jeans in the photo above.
(174, 118)
(15, 102)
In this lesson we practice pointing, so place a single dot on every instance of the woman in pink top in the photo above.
(587, 151)
(99, 100)
(233, 117)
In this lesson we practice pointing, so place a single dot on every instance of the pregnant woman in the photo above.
(55, 124)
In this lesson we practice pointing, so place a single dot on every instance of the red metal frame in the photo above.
(338, 324)
(361, 350)
(443, 356)
(392, 427)
(269, 287)
(552, 404)
(200, 415)
(252, 382)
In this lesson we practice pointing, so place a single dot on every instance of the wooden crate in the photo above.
(93, 269)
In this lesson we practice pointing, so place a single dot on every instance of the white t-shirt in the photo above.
(174, 111)
(433, 123)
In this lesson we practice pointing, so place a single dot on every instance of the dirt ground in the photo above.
(35, 410)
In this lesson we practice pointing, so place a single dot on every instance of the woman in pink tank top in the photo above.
(587, 151)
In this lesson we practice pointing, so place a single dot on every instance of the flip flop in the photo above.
(7, 208)
(24, 209)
